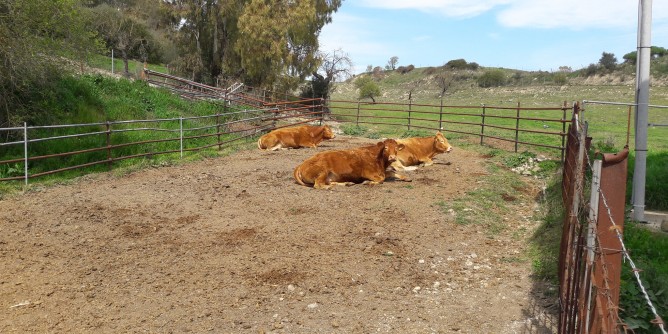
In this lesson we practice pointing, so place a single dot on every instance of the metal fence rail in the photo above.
(105, 143)
(511, 124)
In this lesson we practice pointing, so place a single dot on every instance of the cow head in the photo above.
(389, 149)
(328, 133)
(441, 143)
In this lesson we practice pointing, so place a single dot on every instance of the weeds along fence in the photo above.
(592, 247)
(33, 151)
(542, 127)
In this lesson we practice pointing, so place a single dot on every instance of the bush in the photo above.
(492, 78)
(560, 79)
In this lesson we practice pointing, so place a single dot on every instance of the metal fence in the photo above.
(536, 126)
(75, 146)
(592, 246)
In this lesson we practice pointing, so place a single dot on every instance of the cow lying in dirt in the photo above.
(420, 151)
(367, 165)
(295, 137)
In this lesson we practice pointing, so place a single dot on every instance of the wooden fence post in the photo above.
(482, 125)
(517, 126)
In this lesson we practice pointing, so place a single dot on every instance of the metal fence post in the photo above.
(563, 130)
(181, 134)
(357, 122)
(410, 104)
(482, 125)
(109, 145)
(220, 147)
(440, 116)
(25, 152)
(517, 126)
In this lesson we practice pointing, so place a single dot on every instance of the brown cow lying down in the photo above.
(420, 151)
(295, 137)
(367, 165)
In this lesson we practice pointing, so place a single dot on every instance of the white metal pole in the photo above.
(25, 152)
(642, 103)
(591, 238)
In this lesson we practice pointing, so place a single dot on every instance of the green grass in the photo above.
(134, 66)
(649, 251)
(98, 99)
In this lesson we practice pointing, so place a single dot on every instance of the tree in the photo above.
(608, 61)
(334, 65)
(392, 63)
(444, 82)
(368, 88)
(123, 33)
(35, 38)
(630, 58)
(369, 68)
(279, 39)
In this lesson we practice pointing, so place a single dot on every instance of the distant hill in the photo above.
(466, 87)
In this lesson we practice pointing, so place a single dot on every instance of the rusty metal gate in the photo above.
(590, 252)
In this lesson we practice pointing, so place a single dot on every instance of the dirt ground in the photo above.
(234, 245)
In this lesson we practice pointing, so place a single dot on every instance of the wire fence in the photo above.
(592, 246)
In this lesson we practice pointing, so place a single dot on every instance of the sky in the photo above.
(528, 35)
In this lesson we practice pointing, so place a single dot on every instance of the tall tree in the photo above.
(279, 39)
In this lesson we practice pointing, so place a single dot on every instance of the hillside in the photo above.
(535, 88)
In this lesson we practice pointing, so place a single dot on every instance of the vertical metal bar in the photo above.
(440, 116)
(410, 107)
(482, 125)
(591, 239)
(517, 126)
(220, 146)
(613, 187)
(109, 145)
(112, 61)
(322, 110)
(358, 114)
(563, 130)
(181, 134)
(25, 152)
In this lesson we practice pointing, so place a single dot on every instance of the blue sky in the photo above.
(518, 34)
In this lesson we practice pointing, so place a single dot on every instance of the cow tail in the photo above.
(298, 175)
(259, 143)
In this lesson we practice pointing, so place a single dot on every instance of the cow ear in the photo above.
(400, 147)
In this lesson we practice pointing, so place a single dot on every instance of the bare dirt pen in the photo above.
(234, 245)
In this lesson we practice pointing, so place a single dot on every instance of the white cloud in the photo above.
(574, 14)
(450, 8)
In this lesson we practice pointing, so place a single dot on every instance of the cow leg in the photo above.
(323, 181)
(342, 183)
(394, 175)
(397, 165)
(428, 162)
(276, 147)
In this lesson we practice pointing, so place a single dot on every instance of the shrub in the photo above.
(492, 78)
